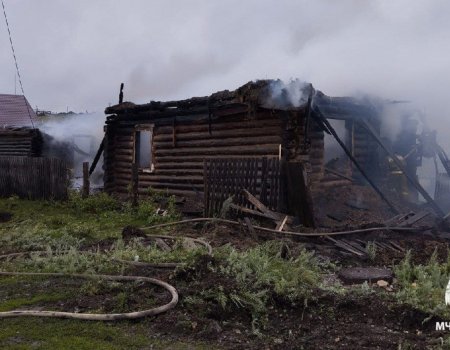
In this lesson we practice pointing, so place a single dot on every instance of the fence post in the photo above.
(86, 183)
(135, 184)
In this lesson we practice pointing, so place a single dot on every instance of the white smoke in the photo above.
(83, 132)
(294, 93)
(394, 49)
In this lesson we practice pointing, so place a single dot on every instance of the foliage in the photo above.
(371, 249)
(36, 223)
(138, 251)
(423, 286)
(43, 334)
(96, 203)
(260, 275)
(261, 268)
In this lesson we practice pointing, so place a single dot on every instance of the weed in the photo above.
(137, 250)
(366, 289)
(261, 267)
(96, 203)
(258, 276)
(371, 250)
(423, 286)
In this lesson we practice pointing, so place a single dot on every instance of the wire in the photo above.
(15, 61)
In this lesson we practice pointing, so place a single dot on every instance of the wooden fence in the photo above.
(224, 178)
(33, 178)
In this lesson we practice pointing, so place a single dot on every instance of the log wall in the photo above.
(20, 142)
(180, 145)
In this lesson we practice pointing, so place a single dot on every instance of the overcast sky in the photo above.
(76, 53)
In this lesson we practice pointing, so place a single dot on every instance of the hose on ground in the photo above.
(95, 317)
(289, 233)
(103, 317)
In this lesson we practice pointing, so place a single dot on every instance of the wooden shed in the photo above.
(231, 138)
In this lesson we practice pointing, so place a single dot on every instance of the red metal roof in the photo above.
(15, 111)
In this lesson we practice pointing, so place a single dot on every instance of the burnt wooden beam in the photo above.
(261, 207)
(86, 183)
(121, 93)
(97, 156)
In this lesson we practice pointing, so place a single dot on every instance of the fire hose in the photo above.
(110, 316)
(288, 233)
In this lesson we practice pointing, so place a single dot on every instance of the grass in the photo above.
(43, 334)
(58, 227)
(37, 224)
(16, 303)
(423, 286)
(258, 276)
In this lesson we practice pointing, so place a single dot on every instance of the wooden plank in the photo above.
(395, 245)
(355, 245)
(345, 246)
(219, 134)
(415, 218)
(281, 224)
(260, 149)
(219, 142)
(261, 207)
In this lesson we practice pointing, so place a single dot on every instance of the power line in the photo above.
(15, 61)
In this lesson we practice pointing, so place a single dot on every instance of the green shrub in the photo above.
(262, 268)
(136, 250)
(95, 203)
(423, 286)
(259, 276)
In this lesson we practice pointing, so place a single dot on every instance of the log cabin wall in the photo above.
(180, 143)
(23, 142)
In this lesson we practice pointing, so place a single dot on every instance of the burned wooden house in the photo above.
(210, 147)
(277, 141)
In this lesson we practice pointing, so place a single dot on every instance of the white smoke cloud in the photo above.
(75, 54)
(83, 132)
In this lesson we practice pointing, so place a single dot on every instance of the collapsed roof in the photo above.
(267, 94)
